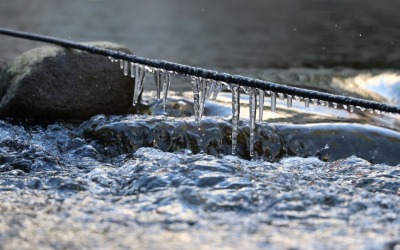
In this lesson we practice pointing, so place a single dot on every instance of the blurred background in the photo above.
(221, 34)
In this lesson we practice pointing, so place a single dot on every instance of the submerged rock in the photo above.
(113, 136)
(53, 82)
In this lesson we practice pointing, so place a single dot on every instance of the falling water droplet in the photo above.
(351, 108)
(196, 98)
(273, 101)
(289, 101)
(307, 103)
(260, 104)
(235, 115)
(126, 68)
(139, 80)
(252, 105)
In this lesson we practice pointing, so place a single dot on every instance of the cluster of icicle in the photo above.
(138, 72)
(205, 89)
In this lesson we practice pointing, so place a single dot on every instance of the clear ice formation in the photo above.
(140, 72)
(235, 115)
(252, 123)
(260, 104)
(208, 89)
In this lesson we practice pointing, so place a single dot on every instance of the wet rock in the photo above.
(328, 142)
(53, 82)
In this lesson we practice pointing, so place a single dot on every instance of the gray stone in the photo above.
(57, 83)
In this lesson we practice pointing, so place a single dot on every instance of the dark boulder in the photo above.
(57, 83)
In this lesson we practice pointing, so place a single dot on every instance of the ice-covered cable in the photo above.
(210, 74)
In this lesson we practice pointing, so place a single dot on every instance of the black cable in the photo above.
(209, 74)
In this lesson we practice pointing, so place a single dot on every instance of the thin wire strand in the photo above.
(208, 74)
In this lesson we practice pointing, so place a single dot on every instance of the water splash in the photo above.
(235, 115)
(252, 105)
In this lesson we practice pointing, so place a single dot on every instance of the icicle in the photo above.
(252, 124)
(121, 64)
(322, 103)
(314, 101)
(378, 112)
(371, 111)
(289, 101)
(149, 69)
(344, 106)
(196, 98)
(334, 105)
(126, 69)
(281, 96)
(111, 59)
(217, 88)
(211, 85)
(298, 98)
(307, 103)
(260, 104)
(273, 101)
(158, 81)
(327, 104)
(132, 70)
(203, 94)
(166, 79)
(360, 108)
(246, 89)
(139, 79)
(351, 108)
(235, 115)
